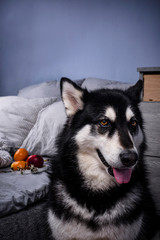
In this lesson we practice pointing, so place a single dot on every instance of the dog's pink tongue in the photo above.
(122, 175)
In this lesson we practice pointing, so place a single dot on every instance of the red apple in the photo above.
(35, 160)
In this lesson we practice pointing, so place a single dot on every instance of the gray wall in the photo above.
(42, 40)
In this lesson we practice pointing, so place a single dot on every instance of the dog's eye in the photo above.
(104, 123)
(133, 123)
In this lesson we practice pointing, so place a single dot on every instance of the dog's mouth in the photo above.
(110, 169)
(122, 175)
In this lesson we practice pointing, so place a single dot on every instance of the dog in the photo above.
(98, 186)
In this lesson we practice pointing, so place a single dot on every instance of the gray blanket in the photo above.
(18, 191)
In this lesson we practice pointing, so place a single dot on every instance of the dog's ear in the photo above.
(72, 96)
(136, 92)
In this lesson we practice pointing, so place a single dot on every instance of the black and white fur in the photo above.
(98, 187)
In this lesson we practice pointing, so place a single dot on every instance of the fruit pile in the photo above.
(23, 161)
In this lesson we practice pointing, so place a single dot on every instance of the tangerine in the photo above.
(21, 154)
(18, 165)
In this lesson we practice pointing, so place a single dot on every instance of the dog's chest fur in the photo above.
(73, 230)
(107, 224)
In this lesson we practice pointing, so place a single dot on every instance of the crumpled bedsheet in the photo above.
(19, 190)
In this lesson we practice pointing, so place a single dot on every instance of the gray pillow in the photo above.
(96, 83)
(151, 115)
(44, 89)
(41, 90)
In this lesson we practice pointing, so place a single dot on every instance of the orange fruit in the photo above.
(18, 165)
(21, 154)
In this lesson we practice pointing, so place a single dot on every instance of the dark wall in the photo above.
(42, 40)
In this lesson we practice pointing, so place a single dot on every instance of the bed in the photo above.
(32, 120)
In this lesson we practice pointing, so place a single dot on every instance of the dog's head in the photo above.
(107, 128)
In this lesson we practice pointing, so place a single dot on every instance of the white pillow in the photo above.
(18, 115)
(97, 83)
(41, 138)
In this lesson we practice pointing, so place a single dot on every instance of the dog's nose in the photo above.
(128, 158)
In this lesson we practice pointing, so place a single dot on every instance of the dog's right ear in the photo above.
(72, 96)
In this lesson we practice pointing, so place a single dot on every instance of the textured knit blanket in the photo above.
(5, 148)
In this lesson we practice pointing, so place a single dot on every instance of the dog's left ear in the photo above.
(72, 96)
(136, 91)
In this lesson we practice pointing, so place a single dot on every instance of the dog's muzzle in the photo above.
(128, 159)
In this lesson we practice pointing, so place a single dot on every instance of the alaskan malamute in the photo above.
(98, 187)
